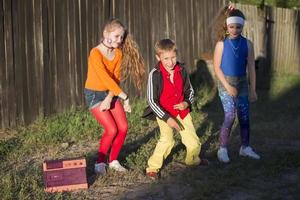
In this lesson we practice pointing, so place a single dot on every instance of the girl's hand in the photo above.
(232, 91)
(231, 7)
(181, 106)
(252, 95)
(105, 104)
(127, 106)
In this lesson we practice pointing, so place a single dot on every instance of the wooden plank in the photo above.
(93, 26)
(18, 117)
(47, 40)
(279, 40)
(4, 122)
(81, 70)
(89, 25)
(76, 58)
(38, 52)
(54, 58)
(280, 24)
(82, 59)
(84, 18)
(11, 107)
(79, 54)
(273, 37)
(61, 48)
(31, 70)
(143, 37)
(297, 41)
(71, 51)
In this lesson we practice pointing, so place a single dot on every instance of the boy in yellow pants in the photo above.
(170, 95)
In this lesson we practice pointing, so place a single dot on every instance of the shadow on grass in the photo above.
(132, 147)
(6, 146)
(202, 78)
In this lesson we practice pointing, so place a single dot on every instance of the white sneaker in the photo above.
(248, 151)
(115, 165)
(223, 155)
(100, 168)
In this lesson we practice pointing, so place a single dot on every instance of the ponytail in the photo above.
(133, 65)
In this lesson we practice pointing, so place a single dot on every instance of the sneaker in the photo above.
(223, 155)
(115, 165)
(152, 175)
(248, 151)
(100, 168)
(203, 162)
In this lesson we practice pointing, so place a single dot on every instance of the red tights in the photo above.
(115, 127)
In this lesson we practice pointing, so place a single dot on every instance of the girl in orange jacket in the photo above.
(113, 60)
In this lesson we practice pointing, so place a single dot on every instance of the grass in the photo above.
(280, 84)
(274, 122)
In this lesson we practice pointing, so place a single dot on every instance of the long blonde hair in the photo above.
(220, 27)
(133, 65)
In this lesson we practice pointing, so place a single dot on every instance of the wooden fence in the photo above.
(43, 50)
(44, 44)
(187, 22)
(275, 33)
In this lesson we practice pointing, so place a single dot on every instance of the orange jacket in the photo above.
(104, 74)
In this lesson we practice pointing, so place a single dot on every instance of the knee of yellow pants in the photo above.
(163, 148)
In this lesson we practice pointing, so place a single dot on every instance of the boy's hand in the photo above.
(173, 124)
(181, 106)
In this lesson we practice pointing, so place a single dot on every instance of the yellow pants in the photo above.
(166, 142)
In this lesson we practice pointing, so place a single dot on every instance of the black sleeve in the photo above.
(188, 89)
(153, 95)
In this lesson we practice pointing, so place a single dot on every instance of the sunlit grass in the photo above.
(281, 84)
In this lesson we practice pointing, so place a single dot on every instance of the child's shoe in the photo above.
(248, 151)
(152, 175)
(100, 168)
(115, 165)
(204, 162)
(223, 155)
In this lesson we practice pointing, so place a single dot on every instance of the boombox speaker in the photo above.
(65, 175)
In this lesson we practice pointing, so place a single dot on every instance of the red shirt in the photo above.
(172, 93)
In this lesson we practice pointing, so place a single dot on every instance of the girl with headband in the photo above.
(233, 65)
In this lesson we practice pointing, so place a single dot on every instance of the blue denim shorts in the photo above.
(240, 83)
(93, 98)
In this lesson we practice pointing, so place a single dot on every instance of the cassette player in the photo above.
(65, 175)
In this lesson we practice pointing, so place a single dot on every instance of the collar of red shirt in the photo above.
(165, 72)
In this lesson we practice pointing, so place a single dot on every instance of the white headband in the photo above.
(235, 20)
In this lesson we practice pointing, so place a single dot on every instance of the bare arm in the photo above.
(251, 72)
(217, 67)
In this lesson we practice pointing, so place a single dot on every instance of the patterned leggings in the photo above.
(231, 106)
